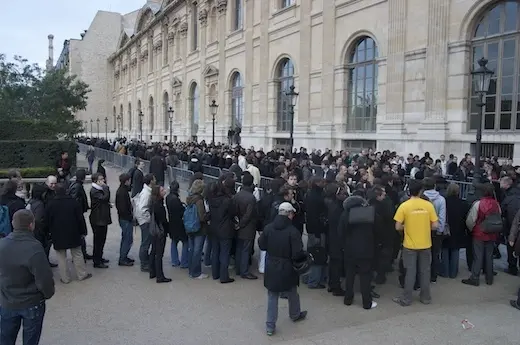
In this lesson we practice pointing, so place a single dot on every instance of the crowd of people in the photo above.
(358, 216)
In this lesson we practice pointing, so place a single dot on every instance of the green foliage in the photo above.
(31, 172)
(27, 92)
(34, 153)
(27, 130)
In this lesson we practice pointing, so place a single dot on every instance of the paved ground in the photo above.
(121, 306)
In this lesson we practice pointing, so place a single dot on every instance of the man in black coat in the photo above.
(283, 244)
(138, 179)
(158, 167)
(245, 203)
(510, 206)
(125, 215)
(77, 192)
(67, 227)
(99, 218)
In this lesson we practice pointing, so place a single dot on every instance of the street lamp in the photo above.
(119, 117)
(294, 99)
(97, 126)
(213, 107)
(91, 128)
(141, 115)
(106, 128)
(481, 80)
(85, 128)
(170, 116)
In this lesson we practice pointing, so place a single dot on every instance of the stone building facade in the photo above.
(391, 74)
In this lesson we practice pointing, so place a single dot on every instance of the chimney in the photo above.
(50, 61)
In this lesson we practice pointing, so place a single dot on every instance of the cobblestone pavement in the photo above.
(121, 306)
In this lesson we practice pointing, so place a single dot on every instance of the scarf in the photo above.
(96, 186)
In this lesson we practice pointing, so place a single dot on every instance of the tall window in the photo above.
(286, 3)
(165, 46)
(151, 55)
(121, 120)
(195, 25)
(239, 15)
(166, 115)
(285, 81)
(194, 108)
(237, 101)
(362, 86)
(150, 110)
(497, 38)
(129, 117)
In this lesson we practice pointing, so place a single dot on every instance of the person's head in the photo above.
(280, 171)
(157, 193)
(97, 178)
(197, 187)
(506, 182)
(415, 187)
(292, 180)
(60, 190)
(125, 179)
(81, 175)
(52, 181)
(37, 191)
(140, 164)
(23, 220)
(174, 187)
(287, 210)
(247, 180)
(379, 193)
(443, 158)
(429, 183)
(488, 190)
(10, 188)
(64, 155)
(100, 162)
(453, 190)
(149, 179)
(287, 193)
(14, 174)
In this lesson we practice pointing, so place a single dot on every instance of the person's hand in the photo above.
(511, 243)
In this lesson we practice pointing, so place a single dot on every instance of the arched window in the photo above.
(129, 117)
(139, 118)
(121, 115)
(285, 81)
(166, 115)
(239, 15)
(362, 86)
(150, 110)
(237, 101)
(194, 108)
(497, 38)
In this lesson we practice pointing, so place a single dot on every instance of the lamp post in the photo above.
(85, 128)
(141, 115)
(213, 107)
(91, 128)
(106, 128)
(481, 80)
(170, 116)
(97, 126)
(119, 117)
(294, 99)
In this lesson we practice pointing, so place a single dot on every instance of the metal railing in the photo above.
(211, 170)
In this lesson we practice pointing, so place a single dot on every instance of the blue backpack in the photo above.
(191, 219)
(5, 221)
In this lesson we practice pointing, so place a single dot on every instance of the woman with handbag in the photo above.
(158, 228)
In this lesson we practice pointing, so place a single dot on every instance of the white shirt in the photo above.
(142, 205)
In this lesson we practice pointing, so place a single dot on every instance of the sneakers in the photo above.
(471, 281)
(302, 316)
(202, 276)
(269, 333)
(374, 304)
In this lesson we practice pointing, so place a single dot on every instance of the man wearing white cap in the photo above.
(283, 244)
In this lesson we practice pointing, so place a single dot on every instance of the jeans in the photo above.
(195, 245)
(207, 250)
(127, 238)
(317, 272)
(482, 255)
(411, 259)
(450, 262)
(100, 238)
(144, 249)
(220, 251)
(242, 254)
(174, 253)
(272, 306)
(11, 320)
(436, 257)
(156, 256)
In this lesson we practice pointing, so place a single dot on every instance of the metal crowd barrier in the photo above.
(211, 170)
(265, 183)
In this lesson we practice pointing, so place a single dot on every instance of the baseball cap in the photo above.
(285, 208)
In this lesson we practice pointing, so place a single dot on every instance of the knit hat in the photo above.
(22, 219)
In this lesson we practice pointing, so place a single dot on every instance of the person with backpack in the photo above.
(77, 192)
(484, 221)
(9, 204)
(36, 206)
(195, 224)
(176, 230)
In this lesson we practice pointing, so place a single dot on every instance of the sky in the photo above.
(25, 24)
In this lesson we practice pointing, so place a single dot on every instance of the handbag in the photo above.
(365, 214)
(492, 224)
(155, 229)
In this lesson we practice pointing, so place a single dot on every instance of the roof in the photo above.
(129, 22)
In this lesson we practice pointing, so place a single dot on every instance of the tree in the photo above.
(27, 92)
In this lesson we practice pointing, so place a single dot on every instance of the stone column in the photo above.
(266, 116)
(224, 116)
(203, 19)
(247, 91)
(183, 34)
(396, 65)
(302, 109)
(328, 117)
